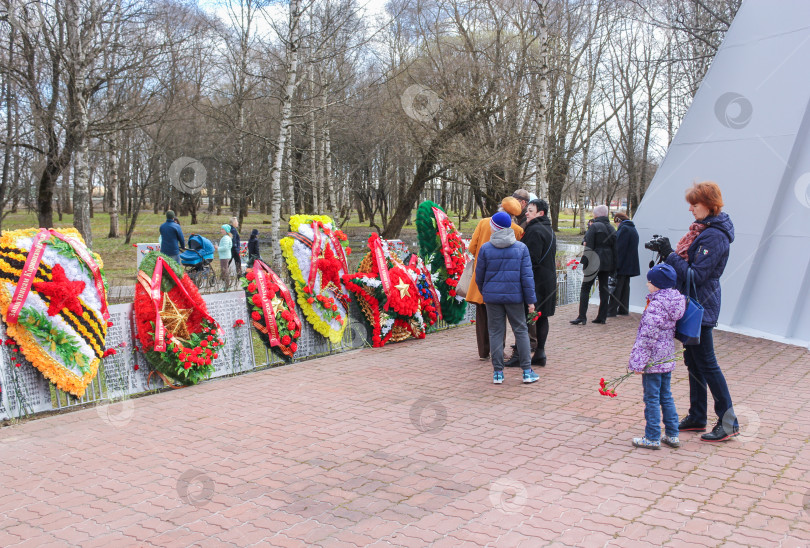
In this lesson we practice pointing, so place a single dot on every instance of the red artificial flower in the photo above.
(216, 355)
(298, 332)
(307, 290)
(348, 251)
(452, 292)
(203, 343)
(251, 287)
(136, 367)
(237, 323)
(293, 346)
(257, 299)
(285, 340)
(256, 316)
(250, 276)
(311, 300)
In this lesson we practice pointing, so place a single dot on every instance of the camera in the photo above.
(655, 243)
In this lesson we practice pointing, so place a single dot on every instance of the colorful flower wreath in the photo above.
(315, 254)
(272, 310)
(441, 248)
(53, 298)
(178, 337)
(429, 299)
(387, 294)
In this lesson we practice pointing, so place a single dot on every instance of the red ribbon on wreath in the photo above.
(441, 217)
(32, 262)
(316, 250)
(379, 259)
(263, 272)
(153, 289)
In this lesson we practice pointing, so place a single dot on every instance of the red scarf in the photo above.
(683, 245)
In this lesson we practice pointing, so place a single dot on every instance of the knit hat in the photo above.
(226, 228)
(662, 276)
(511, 206)
(169, 215)
(500, 220)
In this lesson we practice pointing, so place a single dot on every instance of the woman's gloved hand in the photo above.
(664, 247)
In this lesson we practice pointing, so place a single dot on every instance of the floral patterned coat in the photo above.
(655, 340)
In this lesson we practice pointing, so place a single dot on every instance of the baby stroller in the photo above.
(197, 259)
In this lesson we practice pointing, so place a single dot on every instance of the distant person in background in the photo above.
(171, 237)
(627, 264)
(253, 247)
(237, 246)
(598, 261)
(522, 196)
(481, 235)
(224, 253)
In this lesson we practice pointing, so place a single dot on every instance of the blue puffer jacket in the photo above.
(708, 256)
(503, 270)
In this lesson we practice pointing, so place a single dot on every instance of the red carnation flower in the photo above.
(251, 287)
(348, 251)
(311, 300)
(297, 334)
(256, 316)
(203, 343)
(216, 355)
(250, 276)
(293, 347)
(136, 367)
(285, 340)
(257, 299)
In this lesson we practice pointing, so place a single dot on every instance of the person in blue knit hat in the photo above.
(503, 272)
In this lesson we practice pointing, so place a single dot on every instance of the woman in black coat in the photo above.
(627, 265)
(236, 249)
(539, 238)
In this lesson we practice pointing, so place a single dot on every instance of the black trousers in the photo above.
(620, 300)
(585, 294)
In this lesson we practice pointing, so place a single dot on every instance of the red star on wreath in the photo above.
(63, 292)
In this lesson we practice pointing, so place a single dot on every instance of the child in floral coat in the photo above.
(653, 355)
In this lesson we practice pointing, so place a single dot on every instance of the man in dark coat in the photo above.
(171, 237)
(627, 266)
(598, 261)
(503, 272)
(543, 251)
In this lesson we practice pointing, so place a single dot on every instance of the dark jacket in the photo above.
(627, 249)
(235, 247)
(253, 246)
(171, 238)
(539, 238)
(601, 238)
(503, 270)
(708, 256)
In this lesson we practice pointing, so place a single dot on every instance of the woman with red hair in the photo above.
(704, 250)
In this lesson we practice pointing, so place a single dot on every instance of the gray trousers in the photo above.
(497, 316)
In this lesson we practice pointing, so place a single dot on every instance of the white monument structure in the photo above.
(748, 130)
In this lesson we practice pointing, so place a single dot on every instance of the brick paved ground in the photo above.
(412, 445)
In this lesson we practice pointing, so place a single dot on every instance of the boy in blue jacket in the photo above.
(503, 272)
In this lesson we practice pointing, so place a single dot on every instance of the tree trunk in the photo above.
(81, 191)
(114, 187)
(291, 82)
